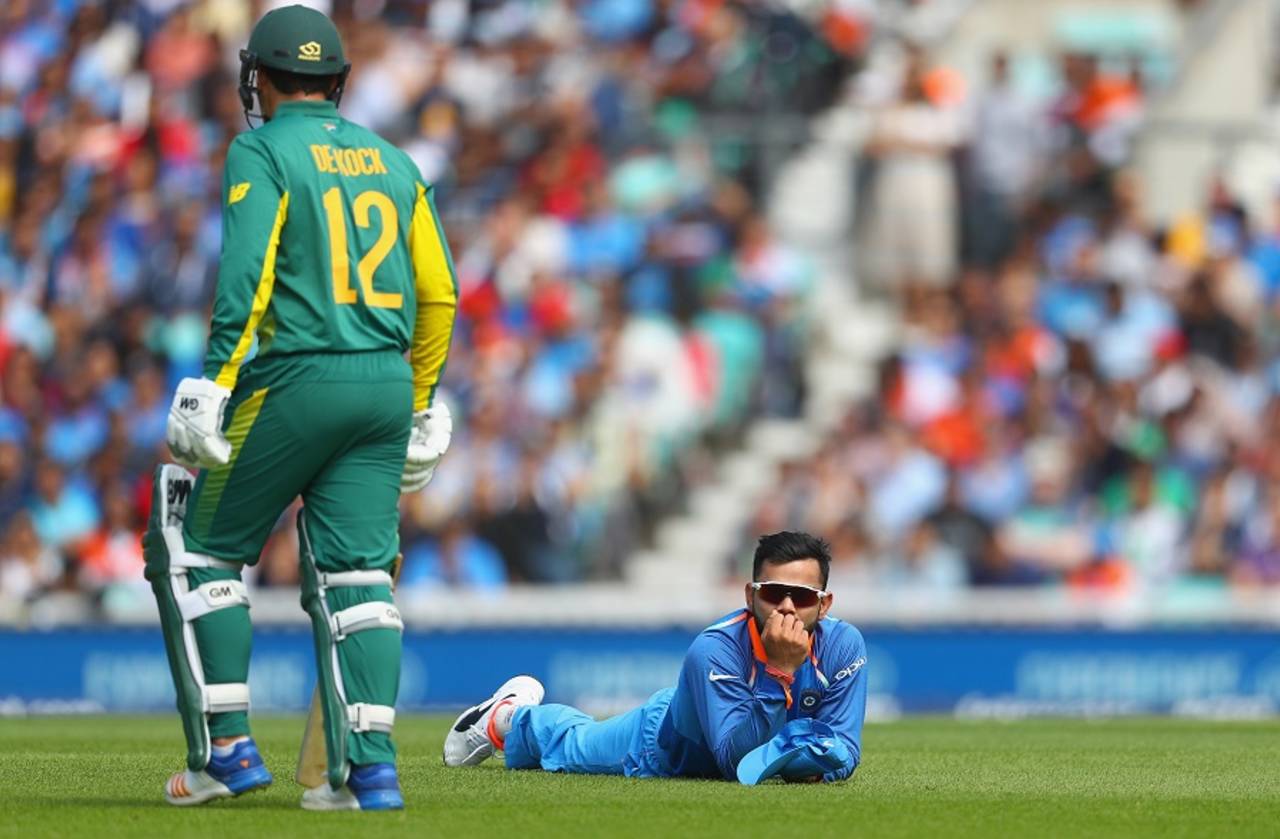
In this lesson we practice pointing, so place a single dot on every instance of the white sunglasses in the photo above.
(802, 596)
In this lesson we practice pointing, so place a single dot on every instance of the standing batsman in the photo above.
(334, 262)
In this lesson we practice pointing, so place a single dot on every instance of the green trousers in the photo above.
(333, 429)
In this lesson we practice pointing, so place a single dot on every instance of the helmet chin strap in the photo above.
(250, 117)
(249, 88)
(335, 95)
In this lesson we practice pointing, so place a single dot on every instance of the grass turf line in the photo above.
(86, 776)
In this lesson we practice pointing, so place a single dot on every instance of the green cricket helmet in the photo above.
(295, 39)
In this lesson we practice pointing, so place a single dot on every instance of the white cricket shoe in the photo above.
(186, 788)
(469, 741)
(373, 786)
(239, 771)
(325, 797)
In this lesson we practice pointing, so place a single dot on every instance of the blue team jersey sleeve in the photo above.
(735, 713)
(844, 705)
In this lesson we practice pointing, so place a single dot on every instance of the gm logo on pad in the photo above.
(310, 51)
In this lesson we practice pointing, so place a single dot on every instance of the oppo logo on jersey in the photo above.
(853, 667)
(348, 162)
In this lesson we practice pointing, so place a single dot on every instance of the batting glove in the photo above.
(194, 430)
(428, 441)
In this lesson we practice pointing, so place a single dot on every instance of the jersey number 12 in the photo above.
(343, 293)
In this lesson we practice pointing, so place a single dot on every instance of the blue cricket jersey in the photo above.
(728, 700)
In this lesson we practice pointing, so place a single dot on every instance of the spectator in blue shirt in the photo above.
(456, 557)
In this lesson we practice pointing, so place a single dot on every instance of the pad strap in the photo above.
(373, 615)
(366, 717)
(212, 596)
(180, 562)
(344, 579)
(228, 696)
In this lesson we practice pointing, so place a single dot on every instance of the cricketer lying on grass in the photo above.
(334, 262)
(776, 689)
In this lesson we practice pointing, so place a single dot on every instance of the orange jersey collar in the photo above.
(757, 645)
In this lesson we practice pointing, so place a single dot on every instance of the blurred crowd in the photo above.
(624, 306)
(1080, 397)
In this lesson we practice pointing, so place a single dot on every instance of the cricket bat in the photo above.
(313, 762)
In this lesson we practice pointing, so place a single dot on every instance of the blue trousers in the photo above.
(559, 738)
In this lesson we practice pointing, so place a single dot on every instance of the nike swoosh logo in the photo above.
(720, 677)
(477, 712)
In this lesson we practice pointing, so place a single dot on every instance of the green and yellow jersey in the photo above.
(330, 243)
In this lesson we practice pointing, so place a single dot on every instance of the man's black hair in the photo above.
(792, 546)
(290, 83)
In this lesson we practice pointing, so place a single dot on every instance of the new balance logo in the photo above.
(720, 677)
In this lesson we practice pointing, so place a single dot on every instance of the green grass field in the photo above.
(103, 775)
